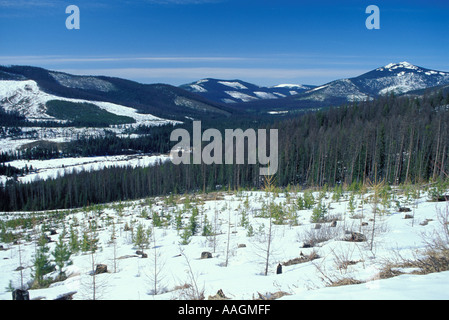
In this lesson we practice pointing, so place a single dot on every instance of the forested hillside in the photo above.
(396, 139)
(160, 100)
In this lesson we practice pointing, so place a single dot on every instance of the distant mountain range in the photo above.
(236, 91)
(28, 90)
(398, 78)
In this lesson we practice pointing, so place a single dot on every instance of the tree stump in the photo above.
(206, 255)
(20, 295)
(101, 268)
(279, 269)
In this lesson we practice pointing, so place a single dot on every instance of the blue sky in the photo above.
(264, 42)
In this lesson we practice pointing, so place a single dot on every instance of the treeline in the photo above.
(121, 183)
(396, 139)
(10, 118)
(152, 140)
(158, 141)
(81, 114)
(9, 171)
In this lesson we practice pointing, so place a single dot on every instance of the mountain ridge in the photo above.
(207, 98)
(397, 78)
(236, 91)
(160, 100)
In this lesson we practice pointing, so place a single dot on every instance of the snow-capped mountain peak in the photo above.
(394, 77)
(406, 67)
(398, 78)
(400, 65)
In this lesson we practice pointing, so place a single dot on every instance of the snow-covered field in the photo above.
(58, 135)
(50, 169)
(239, 249)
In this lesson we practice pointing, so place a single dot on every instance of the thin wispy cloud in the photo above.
(50, 59)
(53, 3)
(181, 2)
(27, 3)
(309, 59)
(220, 72)
(183, 75)
(182, 69)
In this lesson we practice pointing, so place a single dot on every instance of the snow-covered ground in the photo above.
(233, 84)
(241, 96)
(50, 169)
(239, 252)
(29, 135)
(26, 98)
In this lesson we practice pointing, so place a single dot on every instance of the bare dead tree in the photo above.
(376, 187)
(157, 266)
(229, 237)
(192, 290)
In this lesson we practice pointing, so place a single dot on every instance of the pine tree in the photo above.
(157, 221)
(193, 223)
(178, 220)
(319, 212)
(89, 242)
(207, 227)
(185, 236)
(244, 219)
(352, 204)
(74, 243)
(42, 264)
(141, 239)
(85, 244)
(309, 200)
(61, 254)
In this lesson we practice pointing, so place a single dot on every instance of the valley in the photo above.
(93, 207)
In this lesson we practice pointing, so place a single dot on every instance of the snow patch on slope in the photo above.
(197, 88)
(85, 83)
(26, 98)
(265, 95)
(241, 96)
(340, 88)
(292, 86)
(234, 84)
